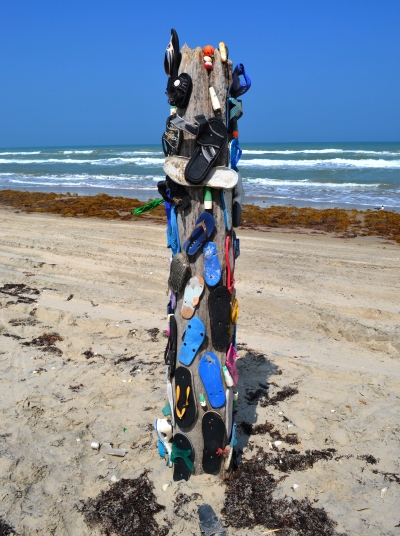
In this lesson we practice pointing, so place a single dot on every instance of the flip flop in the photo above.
(202, 230)
(219, 306)
(172, 138)
(237, 88)
(228, 411)
(173, 234)
(226, 199)
(210, 525)
(172, 57)
(193, 291)
(192, 340)
(238, 198)
(170, 396)
(185, 401)
(218, 177)
(174, 194)
(236, 245)
(178, 270)
(163, 430)
(211, 137)
(232, 443)
(212, 268)
(171, 348)
(230, 363)
(234, 310)
(179, 90)
(213, 429)
(210, 374)
(235, 152)
(182, 457)
(230, 264)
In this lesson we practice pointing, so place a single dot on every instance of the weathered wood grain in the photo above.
(200, 103)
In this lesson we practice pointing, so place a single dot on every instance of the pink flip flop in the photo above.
(193, 291)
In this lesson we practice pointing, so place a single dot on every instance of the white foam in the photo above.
(78, 152)
(335, 163)
(100, 162)
(321, 151)
(21, 153)
(309, 184)
(140, 153)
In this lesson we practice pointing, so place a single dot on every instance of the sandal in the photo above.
(179, 88)
(201, 232)
(230, 264)
(172, 58)
(182, 457)
(172, 346)
(172, 137)
(178, 270)
(211, 137)
(237, 88)
(185, 402)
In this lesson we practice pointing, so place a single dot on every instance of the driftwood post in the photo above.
(220, 77)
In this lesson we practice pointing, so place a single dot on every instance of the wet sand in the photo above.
(323, 313)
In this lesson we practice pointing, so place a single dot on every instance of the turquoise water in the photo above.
(361, 175)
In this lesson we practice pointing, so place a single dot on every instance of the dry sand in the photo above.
(324, 312)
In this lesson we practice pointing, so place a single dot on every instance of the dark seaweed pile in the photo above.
(292, 460)
(256, 429)
(46, 343)
(127, 508)
(284, 393)
(17, 290)
(5, 528)
(249, 502)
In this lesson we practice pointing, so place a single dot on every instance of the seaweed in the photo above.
(127, 508)
(125, 359)
(46, 343)
(88, 354)
(17, 290)
(351, 223)
(5, 528)
(286, 392)
(291, 460)
(249, 502)
(257, 429)
(368, 458)
(153, 332)
(75, 388)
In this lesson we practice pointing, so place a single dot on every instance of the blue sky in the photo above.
(91, 72)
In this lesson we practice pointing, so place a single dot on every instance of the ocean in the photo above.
(323, 175)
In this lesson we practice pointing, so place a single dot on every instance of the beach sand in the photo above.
(317, 313)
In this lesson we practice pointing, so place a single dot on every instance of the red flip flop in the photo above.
(230, 264)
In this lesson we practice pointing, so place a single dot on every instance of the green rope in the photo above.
(148, 206)
(184, 454)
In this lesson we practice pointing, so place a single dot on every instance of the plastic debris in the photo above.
(295, 486)
(107, 448)
(114, 479)
(165, 486)
(383, 491)
(277, 443)
(95, 445)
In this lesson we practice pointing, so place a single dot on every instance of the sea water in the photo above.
(352, 175)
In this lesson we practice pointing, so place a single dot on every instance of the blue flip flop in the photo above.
(212, 268)
(237, 87)
(210, 374)
(226, 199)
(235, 152)
(173, 233)
(192, 340)
(202, 230)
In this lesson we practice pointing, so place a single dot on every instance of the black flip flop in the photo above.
(172, 137)
(177, 195)
(185, 401)
(181, 469)
(213, 429)
(219, 307)
(172, 346)
(172, 57)
(178, 270)
(210, 524)
(211, 136)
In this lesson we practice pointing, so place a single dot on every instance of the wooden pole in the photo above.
(220, 77)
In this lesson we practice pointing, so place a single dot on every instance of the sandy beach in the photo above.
(317, 313)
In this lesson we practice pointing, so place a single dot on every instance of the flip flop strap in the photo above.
(201, 225)
(237, 108)
(184, 454)
(181, 412)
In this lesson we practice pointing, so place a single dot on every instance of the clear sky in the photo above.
(90, 72)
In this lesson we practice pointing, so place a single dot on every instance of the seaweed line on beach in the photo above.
(249, 502)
